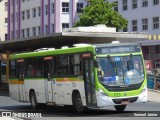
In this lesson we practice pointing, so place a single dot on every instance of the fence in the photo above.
(150, 82)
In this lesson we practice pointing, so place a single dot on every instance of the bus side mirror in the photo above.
(95, 64)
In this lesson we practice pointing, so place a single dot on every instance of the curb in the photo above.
(153, 90)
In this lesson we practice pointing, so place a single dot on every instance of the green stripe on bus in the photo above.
(52, 52)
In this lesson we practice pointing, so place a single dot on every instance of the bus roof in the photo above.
(76, 49)
(53, 52)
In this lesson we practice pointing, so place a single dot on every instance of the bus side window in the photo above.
(12, 70)
(39, 67)
(30, 67)
(77, 64)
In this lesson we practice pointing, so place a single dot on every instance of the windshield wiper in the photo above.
(130, 64)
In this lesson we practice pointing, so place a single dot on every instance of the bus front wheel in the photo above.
(33, 101)
(120, 108)
(78, 103)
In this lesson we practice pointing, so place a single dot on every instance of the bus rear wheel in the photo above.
(78, 103)
(33, 101)
(120, 108)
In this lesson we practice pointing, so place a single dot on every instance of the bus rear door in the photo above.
(48, 73)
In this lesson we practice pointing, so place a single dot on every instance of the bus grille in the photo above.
(130, 100)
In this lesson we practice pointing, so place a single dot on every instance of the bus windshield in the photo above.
(120, 70)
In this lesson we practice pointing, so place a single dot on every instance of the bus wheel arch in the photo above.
(33, 99)
(77, 101)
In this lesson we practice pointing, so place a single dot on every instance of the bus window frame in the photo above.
(68, 65)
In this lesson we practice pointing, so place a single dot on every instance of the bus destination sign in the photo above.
(118, 49)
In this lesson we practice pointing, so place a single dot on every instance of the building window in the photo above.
(28, 32)
(17, 34)
(155, 22)
(52, 28)
(46, 7)
(79, 7)
(34, 31)
(6, 20)
(16, 17)
(144, 3)
(52, 7)
(145, 24)
(124, 4)
(155, 2)
(116, 6)
(28, 14)
(65, 7)
(11, 35)
(34, 12)
(157, 48)
(46, 27)
(23, 0)
(39, 30)
(23, 15)
(39, 11)
(5, 36)
(65, 25)
(134, 25)
(125, 30)
(134, 4)
(6, 6)
(23, 33)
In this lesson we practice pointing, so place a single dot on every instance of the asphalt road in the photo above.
(141, 110)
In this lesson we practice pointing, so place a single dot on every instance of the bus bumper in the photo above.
(103, 100)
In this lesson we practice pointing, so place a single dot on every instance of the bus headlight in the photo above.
(102, 92)
(143, 90)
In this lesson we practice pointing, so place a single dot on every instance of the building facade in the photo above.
(29, 18)
(3, 20)
(143, 16)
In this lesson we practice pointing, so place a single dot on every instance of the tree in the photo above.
(101, 12)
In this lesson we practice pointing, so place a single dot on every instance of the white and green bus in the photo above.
(82, 76)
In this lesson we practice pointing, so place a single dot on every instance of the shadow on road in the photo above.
(51, 111)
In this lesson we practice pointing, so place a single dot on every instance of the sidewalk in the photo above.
(9, 118)
(153, 96)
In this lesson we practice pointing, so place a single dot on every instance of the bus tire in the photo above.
(78, 103)
(33, 100)
(120, 108)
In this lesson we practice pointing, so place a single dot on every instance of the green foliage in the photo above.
(100, 12)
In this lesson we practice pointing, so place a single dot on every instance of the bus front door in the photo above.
(48, 73)
(89, 82)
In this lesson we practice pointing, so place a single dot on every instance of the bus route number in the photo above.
(117, 95)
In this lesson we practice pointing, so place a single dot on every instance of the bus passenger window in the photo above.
(77, 65)
(12, 69)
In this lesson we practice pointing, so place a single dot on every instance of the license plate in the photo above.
(124, 102)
